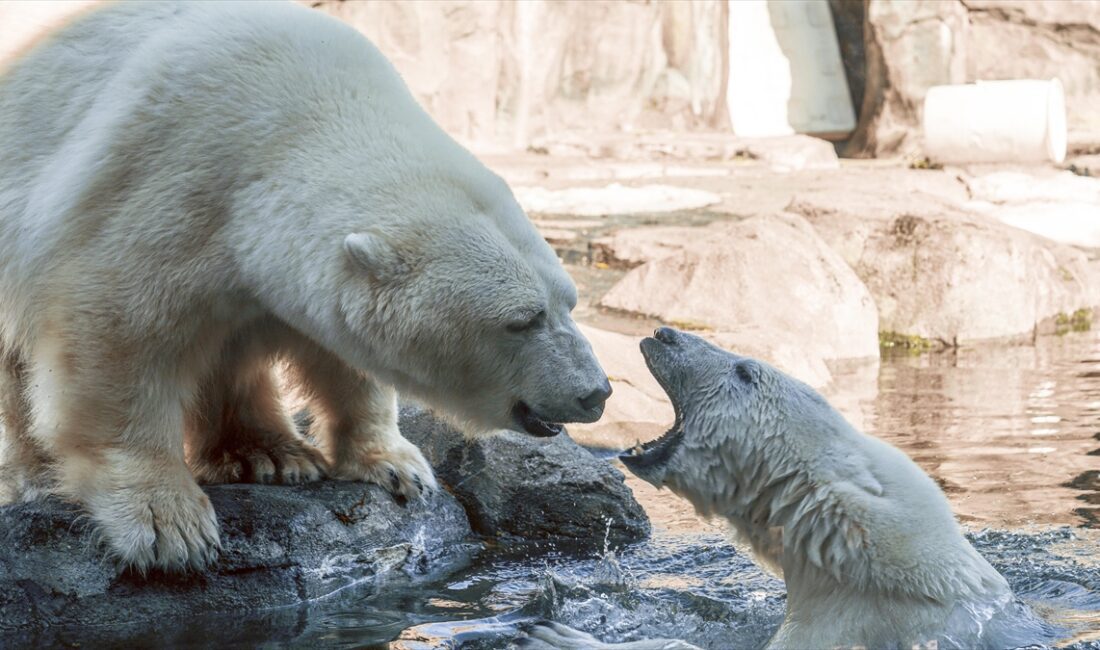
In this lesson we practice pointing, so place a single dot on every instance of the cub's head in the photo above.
(728, 409)
(471, 314)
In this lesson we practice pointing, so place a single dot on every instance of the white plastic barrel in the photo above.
(1022, 120)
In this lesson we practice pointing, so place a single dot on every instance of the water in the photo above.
(1010, 433)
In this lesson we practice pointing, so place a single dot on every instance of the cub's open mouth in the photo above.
(530, 422)
(655, 452)
(659, 450)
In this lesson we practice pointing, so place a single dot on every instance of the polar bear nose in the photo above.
(596, 397)
(665, 335)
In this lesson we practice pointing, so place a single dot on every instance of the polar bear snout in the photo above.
(587, 408)
(592, 403)
(590, 392)
(567, 383)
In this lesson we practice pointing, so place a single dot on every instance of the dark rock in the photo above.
(282, 545)
(289, 545)
(517, 486)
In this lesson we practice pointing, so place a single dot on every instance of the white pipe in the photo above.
(996, 121)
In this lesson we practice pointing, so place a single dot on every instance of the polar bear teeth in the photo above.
(531, 422)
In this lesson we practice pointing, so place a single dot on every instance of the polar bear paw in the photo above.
(397, 465)
(288, 461)
(169, 527)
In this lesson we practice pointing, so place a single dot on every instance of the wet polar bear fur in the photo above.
(866, 542)
(189, 192)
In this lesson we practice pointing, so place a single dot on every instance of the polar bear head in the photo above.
(464, 306)
(734, 415)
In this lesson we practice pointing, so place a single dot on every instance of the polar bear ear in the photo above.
(374, 255)
(748, 371)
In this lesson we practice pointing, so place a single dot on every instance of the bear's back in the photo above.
(141, 113)
(206, 93)
(244, 57)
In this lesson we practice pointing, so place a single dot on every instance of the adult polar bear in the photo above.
(866, 542)
(188, 191)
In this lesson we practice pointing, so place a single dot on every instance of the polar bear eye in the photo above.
(527, 324)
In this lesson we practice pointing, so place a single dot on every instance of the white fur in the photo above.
(865, 540)
(189, 191)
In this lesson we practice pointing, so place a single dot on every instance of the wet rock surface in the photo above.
(516, 487)
(289, 545)
(281, 545)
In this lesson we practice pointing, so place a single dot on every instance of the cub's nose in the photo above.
(597, 397)
(665, 335)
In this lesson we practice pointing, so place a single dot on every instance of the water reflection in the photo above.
(1009, 432)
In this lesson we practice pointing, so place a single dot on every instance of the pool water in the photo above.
(1009, 432)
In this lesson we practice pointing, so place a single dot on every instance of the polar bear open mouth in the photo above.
(533, 423)
(659, 450)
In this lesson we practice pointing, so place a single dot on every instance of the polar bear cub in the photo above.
(191, 191)
(866, 542)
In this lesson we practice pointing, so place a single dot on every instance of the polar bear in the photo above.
(189, 191)
(866, 542)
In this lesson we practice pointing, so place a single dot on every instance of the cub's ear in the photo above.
(374, 255)
(748, 371)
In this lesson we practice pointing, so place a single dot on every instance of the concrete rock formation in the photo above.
(945, 274)
(500, 73)
(911, 46)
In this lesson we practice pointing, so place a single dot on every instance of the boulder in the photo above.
(944, 273)
(281, 545)
(631, 247)
(288, 545)
(519, 488)
(792, 153)
(768, 282)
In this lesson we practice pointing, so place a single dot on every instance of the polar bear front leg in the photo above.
(356, 426)
(24, 467)
(114, 424)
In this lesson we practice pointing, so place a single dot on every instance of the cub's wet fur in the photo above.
(868, 546)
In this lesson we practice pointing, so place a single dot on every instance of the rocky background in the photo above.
(504, 74)
(501, 75)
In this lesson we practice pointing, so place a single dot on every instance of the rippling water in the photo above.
(1009, 432)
